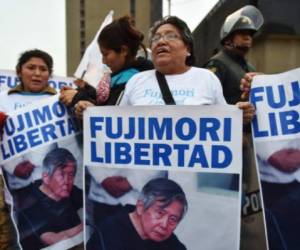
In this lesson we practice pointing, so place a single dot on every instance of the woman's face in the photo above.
(34, 75)
(169, 52)
(114, 60)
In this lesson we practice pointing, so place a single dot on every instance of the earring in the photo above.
(188, 54)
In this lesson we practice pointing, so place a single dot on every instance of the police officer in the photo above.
(230, 63)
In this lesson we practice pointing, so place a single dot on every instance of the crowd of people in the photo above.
(169, 79)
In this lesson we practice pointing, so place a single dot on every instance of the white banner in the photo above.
(41, 158)
(276, 133)
(144, 149)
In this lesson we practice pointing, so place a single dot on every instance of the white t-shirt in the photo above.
(196, 86)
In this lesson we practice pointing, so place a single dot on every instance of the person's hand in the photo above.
(81, 106)
(80, 83)
(245, 84)
(248, 111)
(116, 186)
(67, 94)
(24, 169)
(3, 118)
(286, 160)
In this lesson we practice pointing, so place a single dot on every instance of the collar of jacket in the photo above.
(20, 89)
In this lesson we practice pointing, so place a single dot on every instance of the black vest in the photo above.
(235, 68)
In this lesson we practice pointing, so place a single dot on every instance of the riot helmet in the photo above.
(246, 18)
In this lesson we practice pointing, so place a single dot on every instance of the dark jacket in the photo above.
(229, 68)
(118, 233)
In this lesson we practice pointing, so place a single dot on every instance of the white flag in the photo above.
(91, 68)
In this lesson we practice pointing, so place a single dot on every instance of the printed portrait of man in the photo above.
(161, 206)
(49, 212)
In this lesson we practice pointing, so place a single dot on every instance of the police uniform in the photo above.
(229, 68)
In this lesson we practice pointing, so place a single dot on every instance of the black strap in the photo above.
(164, 88)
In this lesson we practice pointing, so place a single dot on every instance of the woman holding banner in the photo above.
(172, 53)
(34, 68)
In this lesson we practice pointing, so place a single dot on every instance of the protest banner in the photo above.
(129, 149)
(9, 79)
(276, 133)
(41, 159)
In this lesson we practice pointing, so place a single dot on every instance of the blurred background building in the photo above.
(276, 47)
(84, 17)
